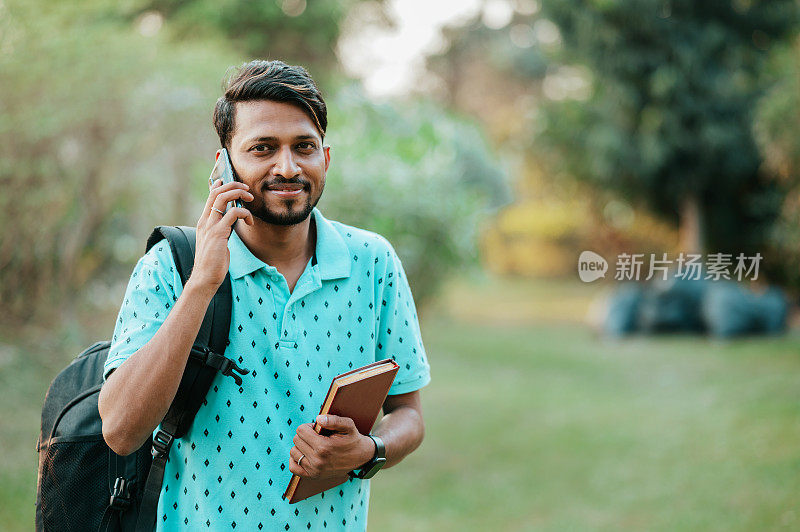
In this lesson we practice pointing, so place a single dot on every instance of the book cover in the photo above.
(359, 395)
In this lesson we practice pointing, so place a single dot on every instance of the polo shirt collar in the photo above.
(331, 255)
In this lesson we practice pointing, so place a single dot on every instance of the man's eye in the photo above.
(260, 147)
(306, 146)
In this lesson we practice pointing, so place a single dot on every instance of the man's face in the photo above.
(277, 151)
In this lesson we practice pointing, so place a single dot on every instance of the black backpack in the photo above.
(83, 485)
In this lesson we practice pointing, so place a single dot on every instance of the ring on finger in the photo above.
(300, 459)
(219, 211)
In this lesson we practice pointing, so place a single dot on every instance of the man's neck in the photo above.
(281, 246)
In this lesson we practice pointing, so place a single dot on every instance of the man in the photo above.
(312, 299)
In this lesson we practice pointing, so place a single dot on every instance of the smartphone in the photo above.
(223, 170)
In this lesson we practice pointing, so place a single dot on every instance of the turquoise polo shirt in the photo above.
(350, 307)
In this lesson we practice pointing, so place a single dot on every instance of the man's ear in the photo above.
(326, 151)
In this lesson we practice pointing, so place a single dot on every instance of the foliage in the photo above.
(484, 74)
(414, 174)
(776, 127)
(539, 238)
(670, 118)
(106, 132)
(295, 31)
(82, 143)
(778, 115)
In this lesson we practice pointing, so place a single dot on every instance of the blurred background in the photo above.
(491, 141)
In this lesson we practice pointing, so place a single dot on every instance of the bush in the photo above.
(419, 177)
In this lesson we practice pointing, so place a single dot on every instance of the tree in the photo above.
(417, 175)
(84, 120)
(106, 132)
(670, 119)
(295, 31)
(777, 126)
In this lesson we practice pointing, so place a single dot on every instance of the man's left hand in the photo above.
(333, 455)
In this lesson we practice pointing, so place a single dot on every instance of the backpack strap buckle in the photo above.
(162, 442)
(120, 498)
(226, 366)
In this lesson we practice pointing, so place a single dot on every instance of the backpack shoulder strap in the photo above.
(217, 321)
(210, 345)
(182, 243)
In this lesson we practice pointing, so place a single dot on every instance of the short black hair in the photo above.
(268, 80)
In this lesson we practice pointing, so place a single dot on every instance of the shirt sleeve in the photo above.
(398, 334)
(152, 290)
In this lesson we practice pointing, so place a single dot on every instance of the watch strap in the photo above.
(380, 448)
(369, 469)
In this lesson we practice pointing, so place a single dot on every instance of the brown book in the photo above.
(359, 395)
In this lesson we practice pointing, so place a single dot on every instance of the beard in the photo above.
(292, 211)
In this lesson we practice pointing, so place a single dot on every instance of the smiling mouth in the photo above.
(286, 190)
(286, 193)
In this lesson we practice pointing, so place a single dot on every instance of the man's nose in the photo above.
(285, 165)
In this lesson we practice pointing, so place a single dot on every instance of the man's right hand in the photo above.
(212, 258)
(149, 378)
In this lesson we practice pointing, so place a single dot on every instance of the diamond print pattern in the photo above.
(333, 322)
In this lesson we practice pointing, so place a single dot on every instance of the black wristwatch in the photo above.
(369, 469)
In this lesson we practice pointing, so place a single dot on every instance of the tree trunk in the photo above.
(691, 231)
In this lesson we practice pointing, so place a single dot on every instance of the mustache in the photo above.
(294, 181)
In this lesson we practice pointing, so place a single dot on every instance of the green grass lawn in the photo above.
(535, 423)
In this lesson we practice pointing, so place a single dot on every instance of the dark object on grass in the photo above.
(722, 309)
(731, 311)
(623, 310)
(673, 306)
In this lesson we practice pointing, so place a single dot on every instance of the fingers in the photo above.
(306, 468)
(314, 447)
(217, 189)
(211, 196)
(337, 423)
(305, 439)
(225, 197)
(294, 456)
(233, 214)
(308, 435)
(303, 448)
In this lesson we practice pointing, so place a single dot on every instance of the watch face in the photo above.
(376, 466)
